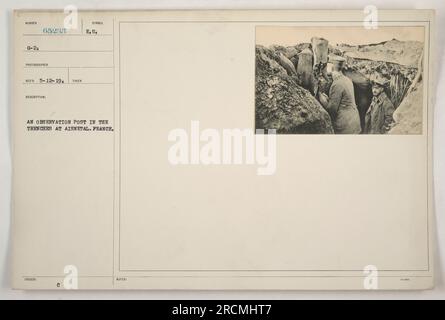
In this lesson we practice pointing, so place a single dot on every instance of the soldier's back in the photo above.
(348, 119)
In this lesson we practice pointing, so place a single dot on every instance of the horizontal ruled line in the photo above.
(66, 34)
(238, 276)
(37, 51)
(51, 67)
(60, 84)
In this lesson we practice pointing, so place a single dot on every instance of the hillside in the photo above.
(405, 53)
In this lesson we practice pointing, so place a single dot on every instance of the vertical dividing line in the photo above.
(114, 154)
(120, 151)
(429, 161)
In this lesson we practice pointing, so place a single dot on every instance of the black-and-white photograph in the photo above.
(339, 80)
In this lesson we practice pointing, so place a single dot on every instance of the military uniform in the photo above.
(341, 105)
(378, 118)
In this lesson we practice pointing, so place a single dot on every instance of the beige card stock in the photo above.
(137, 164)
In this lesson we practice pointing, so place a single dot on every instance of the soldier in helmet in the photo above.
(341, 101)
(379, 116)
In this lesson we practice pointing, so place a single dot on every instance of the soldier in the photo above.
(341, 101)
(379, 116)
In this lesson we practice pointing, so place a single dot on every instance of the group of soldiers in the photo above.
(341, 106)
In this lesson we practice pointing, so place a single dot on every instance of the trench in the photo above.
(302, 64)
(396, 90)
(362, 93)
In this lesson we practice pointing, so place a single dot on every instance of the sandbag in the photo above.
(288, 65)
(320, 50)
(305, 69)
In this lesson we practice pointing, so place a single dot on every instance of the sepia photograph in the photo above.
(339, 80)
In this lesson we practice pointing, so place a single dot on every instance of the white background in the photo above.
(6, 7)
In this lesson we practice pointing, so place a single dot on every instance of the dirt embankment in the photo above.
(281, 103)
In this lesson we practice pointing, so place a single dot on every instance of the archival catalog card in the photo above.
(223, 150)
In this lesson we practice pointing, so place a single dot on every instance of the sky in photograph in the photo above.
(287, 36)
